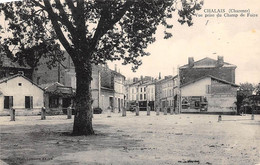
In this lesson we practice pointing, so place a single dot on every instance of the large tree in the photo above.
(91, 32)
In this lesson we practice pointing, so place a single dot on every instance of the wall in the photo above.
(196, 89)
(190, 74)
(221, 97)
(11, 88)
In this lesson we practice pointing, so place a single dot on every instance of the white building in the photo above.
(141, 92)
(22, 94)
(209, 94)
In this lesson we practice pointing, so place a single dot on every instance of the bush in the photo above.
(97, 110)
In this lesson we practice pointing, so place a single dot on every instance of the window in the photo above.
(144, 89)
(144, 96)
(8, 102)
(20, 84)
(54, 102)
(28, 102)
(141, 96)
(141, 89)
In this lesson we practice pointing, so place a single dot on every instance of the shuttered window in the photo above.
(8, 102)
(28, 102)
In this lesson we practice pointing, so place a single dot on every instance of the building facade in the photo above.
(210, 95)
(207, 66)
(141, 93)
(107, 86)
(20, 93)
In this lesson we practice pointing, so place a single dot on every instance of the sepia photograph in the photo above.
(129, 82)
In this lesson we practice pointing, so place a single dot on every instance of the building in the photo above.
(207, 66)
(141, 92)
(22, 94)
(8, 67)
(57, 97)
(165, 92)
(208, 86)
(210, 95)
(107, 86)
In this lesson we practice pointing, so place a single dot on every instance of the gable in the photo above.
(20, 86)
(207, 63)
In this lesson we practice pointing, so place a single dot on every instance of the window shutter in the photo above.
(6, 102)
(11, 103)
(27, 102)
(31, 101)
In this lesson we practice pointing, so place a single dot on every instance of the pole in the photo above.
(109, 111)
(12, 114)
(165, 111)
(171, 111)
(157, 111)
(137, 110)
(148, 110)
(69, 112)
(43, 113)
(123, 111)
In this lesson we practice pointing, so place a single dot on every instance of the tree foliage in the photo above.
(110, 30)
(91, 31)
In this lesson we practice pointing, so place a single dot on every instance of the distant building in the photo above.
(207, 66)
(141, 93)
(10, 68)
(107, 86)
(209, 94)
(165, 92)
(57, 97)
(208, 86)
(22, 94)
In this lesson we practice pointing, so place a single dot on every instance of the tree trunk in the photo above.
(83, 115)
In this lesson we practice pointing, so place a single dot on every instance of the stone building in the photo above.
(165, 92)
(107, 86)
(141, 92)
(207, 66)
(208, 86)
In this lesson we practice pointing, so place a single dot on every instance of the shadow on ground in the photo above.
(41, 143)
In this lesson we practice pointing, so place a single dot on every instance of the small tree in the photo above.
(245, 90)
(91, 32)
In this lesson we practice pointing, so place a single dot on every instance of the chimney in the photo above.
(159, 75)
(191, 61)
(220, 61)
(142, 79)
(116, 67)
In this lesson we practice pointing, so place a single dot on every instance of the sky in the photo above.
(237, 39)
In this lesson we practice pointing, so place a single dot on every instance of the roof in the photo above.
(207, 63)
(58, 88)
(212, 77)
(19, 75)
(8, 63)
(45, 86)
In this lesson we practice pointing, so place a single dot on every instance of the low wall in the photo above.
(22, 112)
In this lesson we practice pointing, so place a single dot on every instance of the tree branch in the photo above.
(39, 4)
(72, 8)
(57, 28)
(64, 19)
(104, 25)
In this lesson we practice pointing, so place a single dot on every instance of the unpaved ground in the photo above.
(173, 139)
